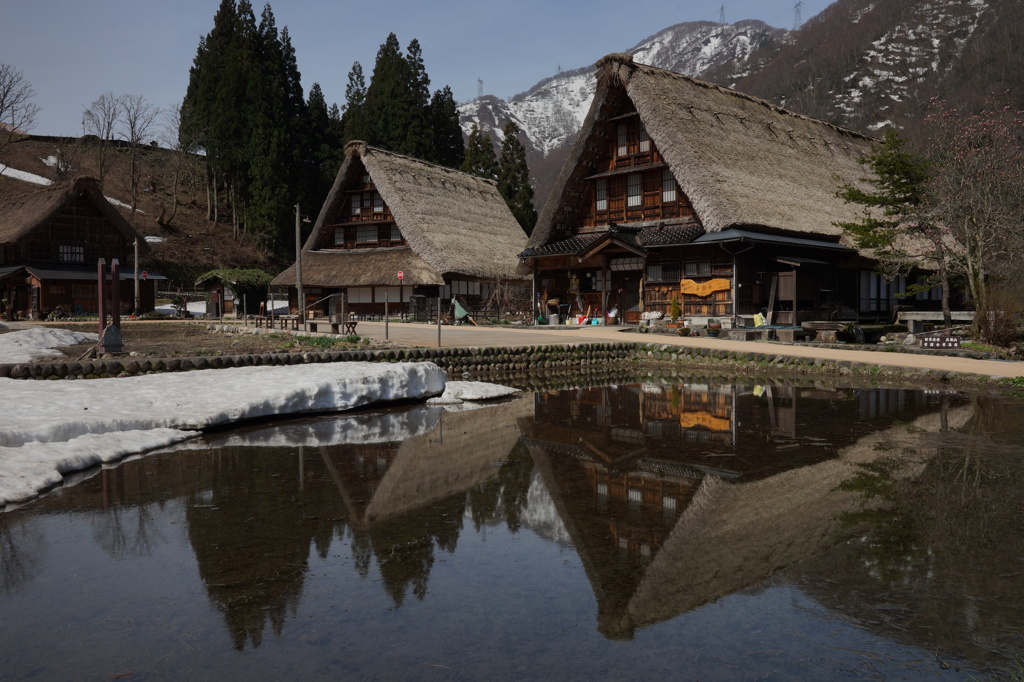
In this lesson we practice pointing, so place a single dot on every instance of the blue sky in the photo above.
(72, 52)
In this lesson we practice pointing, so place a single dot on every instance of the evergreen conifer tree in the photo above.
(419, 135)
(514, 178)
(353, 121)
(390, 101)
(480, 159)
(448, 148)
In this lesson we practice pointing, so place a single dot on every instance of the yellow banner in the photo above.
(688, 420)
(688, 286)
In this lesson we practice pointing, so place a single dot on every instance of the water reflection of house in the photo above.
(664, 522)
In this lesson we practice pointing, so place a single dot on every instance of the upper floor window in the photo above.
(339, 236)
(356, 204)
(668, 185)
(71, 254)
(601, 194)
(634, 192)
(623, 139)
(698, 269)
(645, 140)
(396, 234)
(366, 233)
(378, 203)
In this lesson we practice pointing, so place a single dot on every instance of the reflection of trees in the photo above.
(937, 557)
(114, 531)
(404, 545)
(515, 475)
(252, 531)
(21, 552)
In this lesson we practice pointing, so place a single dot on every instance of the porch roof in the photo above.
(738, 235)
(644, 237)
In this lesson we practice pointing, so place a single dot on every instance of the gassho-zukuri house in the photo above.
(677, 188)
(50, 242)
(403, 231)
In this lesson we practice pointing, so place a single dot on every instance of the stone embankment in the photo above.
(531, 367)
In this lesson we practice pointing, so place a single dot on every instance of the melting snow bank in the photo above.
(54, 427)
(36, 343)
(455, 392)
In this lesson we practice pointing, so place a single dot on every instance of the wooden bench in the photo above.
(349, 326)
(915, 319)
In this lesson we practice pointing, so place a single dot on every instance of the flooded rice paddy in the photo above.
(683, 530)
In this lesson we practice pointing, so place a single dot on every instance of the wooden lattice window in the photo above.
(601, 194)
(634, 190)
(668, 186)
(366, 234)
(70, 253)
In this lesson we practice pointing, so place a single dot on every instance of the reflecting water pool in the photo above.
(684, 530)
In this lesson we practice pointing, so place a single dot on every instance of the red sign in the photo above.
(145, 275)
(401, 274)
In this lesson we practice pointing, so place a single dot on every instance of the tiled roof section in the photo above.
(664, 235)
(669, 236)
(565, 247)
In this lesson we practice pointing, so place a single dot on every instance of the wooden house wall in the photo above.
(79, 296)
(84, 232)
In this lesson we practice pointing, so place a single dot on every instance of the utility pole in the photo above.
(137, 307)
(298, 267)
(479, 88)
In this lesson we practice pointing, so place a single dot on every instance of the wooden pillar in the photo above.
(101, 292)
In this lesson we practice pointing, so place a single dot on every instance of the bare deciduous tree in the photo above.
(100, 120)
(178, 137)
(17, 112)
(138, 118)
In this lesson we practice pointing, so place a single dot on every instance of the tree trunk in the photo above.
(947, 316)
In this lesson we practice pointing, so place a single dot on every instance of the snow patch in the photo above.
(36, 343)
(24, 177)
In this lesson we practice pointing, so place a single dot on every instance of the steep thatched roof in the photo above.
(453, 222)
(20, 216)
(740, 160)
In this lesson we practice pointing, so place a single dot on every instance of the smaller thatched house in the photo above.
(398, 230)
(50, 242)
(680, 189)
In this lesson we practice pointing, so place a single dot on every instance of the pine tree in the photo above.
(448, 149)
(893, 223)
(480, 159)
(390, 101)
(419, 137)
(353, 120)
(514, 178)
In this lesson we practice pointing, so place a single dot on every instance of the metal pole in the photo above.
(439, 317)
(137, 306)
(298, 268)
(387, 295)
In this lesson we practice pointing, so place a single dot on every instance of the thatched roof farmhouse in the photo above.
(675, 180)
(389, 213)
(50, 242)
